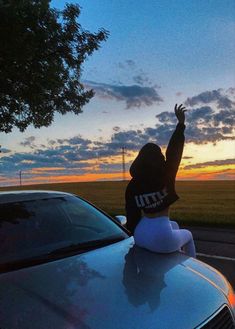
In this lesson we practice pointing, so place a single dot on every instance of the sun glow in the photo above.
(208, 173)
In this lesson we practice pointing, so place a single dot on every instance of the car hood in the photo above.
(117, 286)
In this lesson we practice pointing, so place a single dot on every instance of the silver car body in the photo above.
(118, 286)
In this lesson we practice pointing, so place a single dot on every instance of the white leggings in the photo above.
(161, 235)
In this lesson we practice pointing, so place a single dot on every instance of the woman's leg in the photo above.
(186, 241)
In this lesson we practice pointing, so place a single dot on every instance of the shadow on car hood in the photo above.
(117, 286)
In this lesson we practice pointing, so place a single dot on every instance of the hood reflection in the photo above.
(54, 294)
(143, 275)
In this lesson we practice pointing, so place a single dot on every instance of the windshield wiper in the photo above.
(57, 253)
(25, 262)
(85, 246)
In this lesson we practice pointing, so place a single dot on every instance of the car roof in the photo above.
(27, 195)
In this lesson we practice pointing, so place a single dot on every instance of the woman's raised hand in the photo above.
(179, 112)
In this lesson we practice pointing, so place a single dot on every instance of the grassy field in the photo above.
(210, 203)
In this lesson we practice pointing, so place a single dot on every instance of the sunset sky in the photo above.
(159, 52)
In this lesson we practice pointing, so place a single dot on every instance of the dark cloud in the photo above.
(166, 117)
(215, 96)
(139, 76)
(225, 117)
(72, 155)
(133, 140)
(4, 150)
(142, 79)
(78, 140)
(29, 141)
(116, 128)
(161, 134)
(51, 142)
(68, 154)
(201, 114)
(205, 124)
(133, 95)
(48, 159)
(128, 64)
(211, 163)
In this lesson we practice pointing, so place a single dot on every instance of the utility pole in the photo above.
(123, 164)
(20, 174)
(97, 161)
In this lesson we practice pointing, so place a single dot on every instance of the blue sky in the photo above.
(178, 43)
(158, 53)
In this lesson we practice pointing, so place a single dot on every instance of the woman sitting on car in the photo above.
(151, 192)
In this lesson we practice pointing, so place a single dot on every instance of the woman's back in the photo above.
(152, 190)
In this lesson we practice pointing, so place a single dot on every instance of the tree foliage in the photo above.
(41, 53)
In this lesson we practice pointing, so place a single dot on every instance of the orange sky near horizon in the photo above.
(208, 173)
(195, 165)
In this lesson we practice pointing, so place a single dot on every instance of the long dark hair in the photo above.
(149, 164)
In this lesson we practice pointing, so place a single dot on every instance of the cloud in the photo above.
(29, 141)
(208, 123)
(78, 155)
(137, 90)
(203, 125)
(71, 154)
(4, 150)
(222, 101)
(132, 95)
(211, 163)
(116, 128)
(166, 117)
(231, 91)
(38, 164)
(141, 79)
(76, 140)
(128, 64)
(139, 76)
(131, 139)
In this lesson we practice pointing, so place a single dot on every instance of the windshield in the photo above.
(30, 229)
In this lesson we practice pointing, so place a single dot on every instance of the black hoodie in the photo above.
(152, 187)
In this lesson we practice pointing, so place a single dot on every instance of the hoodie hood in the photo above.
(150, 162)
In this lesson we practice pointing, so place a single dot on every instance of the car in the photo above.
(65, 264)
